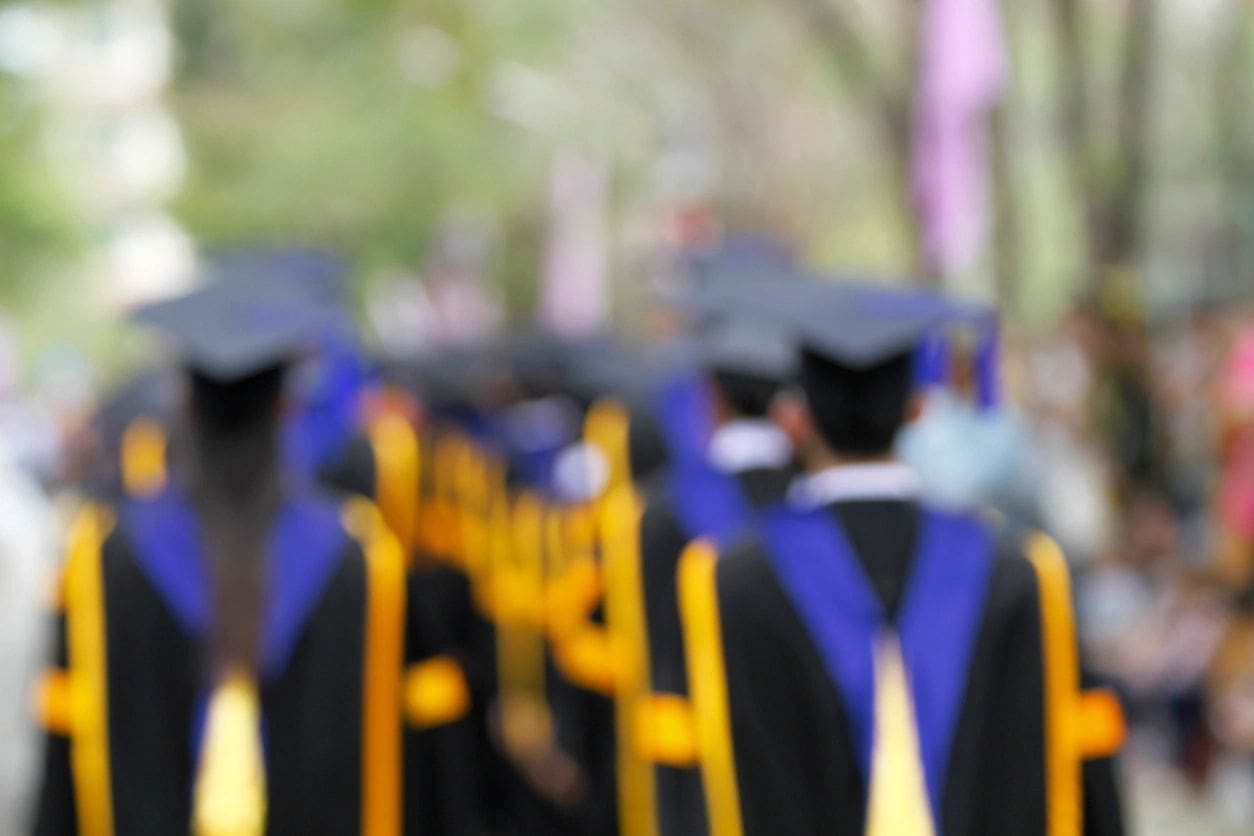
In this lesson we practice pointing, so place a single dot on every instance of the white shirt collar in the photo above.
(881, 480)
(748, 444)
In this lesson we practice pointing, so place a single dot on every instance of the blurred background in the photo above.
(1087, 165)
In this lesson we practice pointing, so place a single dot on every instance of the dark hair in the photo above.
(236, 487)
(748, 396)
(858, 411)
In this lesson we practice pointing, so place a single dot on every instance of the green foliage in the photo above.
(39, 229)
(303, 125)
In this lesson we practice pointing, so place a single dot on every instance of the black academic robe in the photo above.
(312, 695)
(663, 537)
(796, 766)
(584, 731)
(451, 626)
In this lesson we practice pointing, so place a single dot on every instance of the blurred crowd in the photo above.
(1137, 441)
(1130, 438)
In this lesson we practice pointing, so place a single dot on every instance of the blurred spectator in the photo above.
(1075, 491)
(1235, 501)
(969, 455)
(29, 531)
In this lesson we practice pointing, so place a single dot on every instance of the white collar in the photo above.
(748, 444)
(881, 480)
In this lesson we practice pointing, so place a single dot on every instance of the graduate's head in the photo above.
(225, 408)
(739, 395)
(858, 412)
(236, 341)
(856, 385)
(746, 362)
(236, 345)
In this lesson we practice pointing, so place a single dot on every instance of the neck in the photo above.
(728, 418)
(824, 458)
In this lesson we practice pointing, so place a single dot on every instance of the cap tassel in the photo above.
(988, 368)
(931, 363)
(230, 789)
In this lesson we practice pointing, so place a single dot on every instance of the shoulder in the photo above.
(746, 581)
(1012, 575)
(660, 515)
(359, 528)
(765, 486)
(1018, 550)
(1009, 543)
(1016, 578)
(113, 538)
(350, 469)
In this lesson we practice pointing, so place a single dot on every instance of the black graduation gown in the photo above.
(663, 537)
(1103, 796)
(351, 469)
(312, 701)
(450, 626)
(796, 767)
(584, 730)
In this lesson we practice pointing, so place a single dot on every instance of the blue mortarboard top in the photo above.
(726, 285)
(304, 274)
(719, 278)
(315, 275)
(859, 325)
(856, 323)
(231, 330)
(747, 346)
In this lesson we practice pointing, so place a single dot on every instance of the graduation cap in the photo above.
(864, 349)
(934, 348)
(537, 361)
(853, 324)
(303, 275)
(459, 385)
(732, 292)
(859, 324)
(748, 347)
(699, 285)
(228, 331)
(314, 275)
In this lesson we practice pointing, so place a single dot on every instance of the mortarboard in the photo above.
(854, 324)
(730, 333)
(537, 361)
(699, 287)
(304, 275)
(733, 291)
(864, 346)
(859, 324)
(228, 331)
(744, 346)
(315, 275)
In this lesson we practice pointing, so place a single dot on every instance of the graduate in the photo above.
(866, 663)
(231, 649)
(743, 466)
(325, 423)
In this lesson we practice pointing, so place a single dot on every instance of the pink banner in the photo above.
(962, 72)
(574, 300)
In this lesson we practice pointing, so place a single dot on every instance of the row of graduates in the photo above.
(237, 648)
(518, 634)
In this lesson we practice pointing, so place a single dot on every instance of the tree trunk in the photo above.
(1112, 200)
(828, 22)
(1123, 215)
(1235, 161)
(1005, 214)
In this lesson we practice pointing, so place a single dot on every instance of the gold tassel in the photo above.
(898, 801)
(230, 794)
